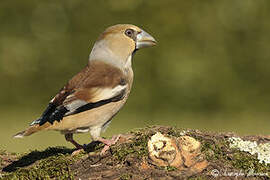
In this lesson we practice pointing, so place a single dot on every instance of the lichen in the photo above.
(261, 150)
(221, 151)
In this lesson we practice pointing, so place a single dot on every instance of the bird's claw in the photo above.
(77, 151)
(108, 143)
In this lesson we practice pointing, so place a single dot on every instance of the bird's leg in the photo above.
(108, 142)
(69, 138)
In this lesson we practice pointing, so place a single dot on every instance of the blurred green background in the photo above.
(210, 69)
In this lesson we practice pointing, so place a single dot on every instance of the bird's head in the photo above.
(117, 43)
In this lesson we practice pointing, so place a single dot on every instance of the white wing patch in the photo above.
(108, 93)
(99, 95)
(72, 106)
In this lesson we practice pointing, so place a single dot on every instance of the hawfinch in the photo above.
(90, 100)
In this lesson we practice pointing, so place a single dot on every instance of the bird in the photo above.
(91, 98)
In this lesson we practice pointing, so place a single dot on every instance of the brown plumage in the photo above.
(92, 97)
(95, 75)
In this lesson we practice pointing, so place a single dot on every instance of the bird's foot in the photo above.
(77, 151)
(108, 143)
(79, 148)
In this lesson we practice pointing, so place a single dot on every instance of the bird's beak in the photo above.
(144, 40)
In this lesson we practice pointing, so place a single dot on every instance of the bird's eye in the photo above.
(129, 32)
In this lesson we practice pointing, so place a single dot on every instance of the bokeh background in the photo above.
(210, 69)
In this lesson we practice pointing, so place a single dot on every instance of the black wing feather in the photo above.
(57, 113)
(52, 113)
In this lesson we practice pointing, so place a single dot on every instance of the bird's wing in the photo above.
(96, 85)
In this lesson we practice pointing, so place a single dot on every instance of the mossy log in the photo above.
(192, 155)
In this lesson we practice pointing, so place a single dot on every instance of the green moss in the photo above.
(14, 154)
(170, 168)
(214, 150)
(246, 161)
(220, 151)
(173, 131)
(51, 163)
(125, 177)
(55, 166)
(2, 152)
(138, 147)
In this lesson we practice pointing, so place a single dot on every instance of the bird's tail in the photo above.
(31, 130)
